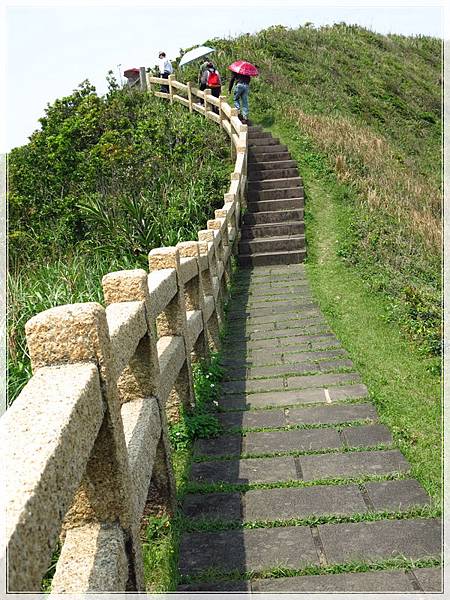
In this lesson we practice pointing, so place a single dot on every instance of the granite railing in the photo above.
(86, 442)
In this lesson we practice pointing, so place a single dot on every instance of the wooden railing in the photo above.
(87, 446)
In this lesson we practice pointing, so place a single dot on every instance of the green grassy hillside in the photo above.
(366, 108)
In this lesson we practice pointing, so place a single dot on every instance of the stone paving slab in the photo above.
(305, 329)
(372, 581)
(292, 397)
(246, 550)
(246, 470)
(307, 381)
(430, 579)
(409, 538)
(220, 505)
(396, 495)
(275, 504)
(290, 503)
(352, 464)
(220, 586)
(367, 435)
(269, 442)
(248, 419)
(340, 413)
(252, 385)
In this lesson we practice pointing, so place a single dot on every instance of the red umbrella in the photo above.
(242, 67)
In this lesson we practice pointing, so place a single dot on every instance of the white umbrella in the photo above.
(194, 54)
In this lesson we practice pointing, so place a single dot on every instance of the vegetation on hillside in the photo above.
(368, 106)
(104, 181)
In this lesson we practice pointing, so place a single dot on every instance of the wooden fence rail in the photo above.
(87, 443)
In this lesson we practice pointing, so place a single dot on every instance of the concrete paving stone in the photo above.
(247, 549)
(246, 470)
(255, 303)
(235, 373)
(224, 506)
(356, 390)
(367, 435)
(352, 464)
(283, 369)
(409, 538)
(247, 419)
(291, 332)
(219, 586)
(253, 345)
(219, 446)
(285, 317)
(323, 339)
(291, 503)
(340, 413)
(396, 495)
(252, 385)
(430, 579)
(371, 581)
(290, 441)
(287, 307)
(319, 355)
(330, 379)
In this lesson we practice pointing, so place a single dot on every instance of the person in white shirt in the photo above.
(165, 69)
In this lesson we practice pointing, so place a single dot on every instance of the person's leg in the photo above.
(237, 96)
(165, 88)
(215, 91)
(245, 103)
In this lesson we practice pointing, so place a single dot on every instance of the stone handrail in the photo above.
(87, 449)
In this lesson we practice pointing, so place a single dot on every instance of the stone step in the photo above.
(267, 148)
(275, 173)
(293, 440)
(262, 140)
(255, 159)
(313, 467)
(250, 232)
(430, 580)
(273, 216)
(324, 415)
(333, 393)
(271, 205)
(297, 503)
(271, 184)
(275, 194)
(287, 257)
(274, 244)
(264, 167)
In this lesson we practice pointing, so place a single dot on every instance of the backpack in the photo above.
(213, 79)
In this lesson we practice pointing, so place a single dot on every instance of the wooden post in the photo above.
(170, 79)
(143, 78)
(222, 99)
(189, 93)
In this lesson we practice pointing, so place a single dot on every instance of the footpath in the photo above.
(304, 491)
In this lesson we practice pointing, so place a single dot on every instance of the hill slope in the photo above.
(366, 110)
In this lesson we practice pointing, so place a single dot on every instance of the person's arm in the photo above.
(233, 77)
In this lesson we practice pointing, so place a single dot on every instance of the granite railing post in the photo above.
(103, 511)
(195, 298)
(211, 236)
(220, 224)
(141, 379)
(172, 322)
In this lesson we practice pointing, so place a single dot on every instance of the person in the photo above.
(210, 79)
(240, 93)
(165, 69)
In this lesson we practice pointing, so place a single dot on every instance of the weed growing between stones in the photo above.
(396, 563)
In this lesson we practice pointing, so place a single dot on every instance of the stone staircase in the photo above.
(272, 229)
(305, 490)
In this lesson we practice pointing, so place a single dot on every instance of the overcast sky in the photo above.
(48, 50)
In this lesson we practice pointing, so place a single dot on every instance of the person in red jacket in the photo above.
(210, 78)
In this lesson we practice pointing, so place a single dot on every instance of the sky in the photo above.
(47, 50)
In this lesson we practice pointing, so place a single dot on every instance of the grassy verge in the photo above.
(163, 534)
(403, 383)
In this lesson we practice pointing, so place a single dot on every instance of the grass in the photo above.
(396, 563)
